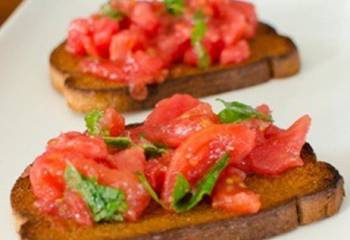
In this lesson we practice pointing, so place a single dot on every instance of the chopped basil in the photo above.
(109, 11)
(143, 180)
(118, 142)
(92, 122)
(237, 112)
(106, 203)
(175, 7)
(152, 150)
(184, 199)
(197, 36)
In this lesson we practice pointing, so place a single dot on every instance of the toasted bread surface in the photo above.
(273, 56)
(299, 196)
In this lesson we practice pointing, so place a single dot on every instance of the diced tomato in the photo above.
(104, 29)
(179, 129)
(236, 53)
(233, 28)
(125, 42)
(144, 16)
(77, 28)
(129, 160)
(281, 151)
(248, 10)
(201, 150)
(88, 146)
(170, 108)
(113, 122)
(46, 176)
(231, 194)
(74, 207)
(156, 169)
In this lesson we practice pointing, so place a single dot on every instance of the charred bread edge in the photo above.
(83, 100)
(267, 223)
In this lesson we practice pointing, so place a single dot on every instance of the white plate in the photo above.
(32, 112)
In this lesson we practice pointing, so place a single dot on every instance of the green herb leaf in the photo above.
(152, 150)
(184, 199)
(109, 11)
(118, 142)
(237, 112)
(92, 122)
(143, 180)
(175, 7)
(197, 36)
(106, 203)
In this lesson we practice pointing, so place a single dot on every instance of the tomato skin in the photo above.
(144, 16)
(74, 207)
(281, 151)
(125, 42)
(46, 176)
(231, 194)
(113, 122)
(88, 146)
(201, 150)
(129, 160)
(236, 53)
(170, 108)
(180, 128)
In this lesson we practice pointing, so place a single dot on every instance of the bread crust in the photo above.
(273, 56)
(299, 196)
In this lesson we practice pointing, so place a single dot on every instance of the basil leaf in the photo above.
(152, 150)
(197, 36)
(143, 180)
(237, 112)
(182, 188)
(109, 11)
(119, 142)
(106, 203)
(92, 122)
(175, 7)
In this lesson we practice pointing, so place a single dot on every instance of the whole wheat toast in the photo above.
(299, 196)
(273, 56)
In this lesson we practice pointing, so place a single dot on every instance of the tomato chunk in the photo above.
(129, 160)
(281, 151)
(46, 176)
(113, 122)
(88, 146)
(74, 207)
(177, 130)
(232, 195)
(201, 150)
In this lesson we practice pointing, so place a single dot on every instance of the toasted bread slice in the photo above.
(299, 196)
(273, 56)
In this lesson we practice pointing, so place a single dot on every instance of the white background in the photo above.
(31, 111)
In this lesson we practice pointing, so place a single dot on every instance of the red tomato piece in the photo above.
(104, 29)
(248, 10)
(170, 108)
(113, 122)
(180, 128)
(74, 207)
(201, 150)
(77, 28)
(46, 176)
(156, 169)
(144, 16)
(129, 160)
(125, 42)
(103, 69)
(88, 146)
(236, 53)
(281, 151)
(231, 194)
